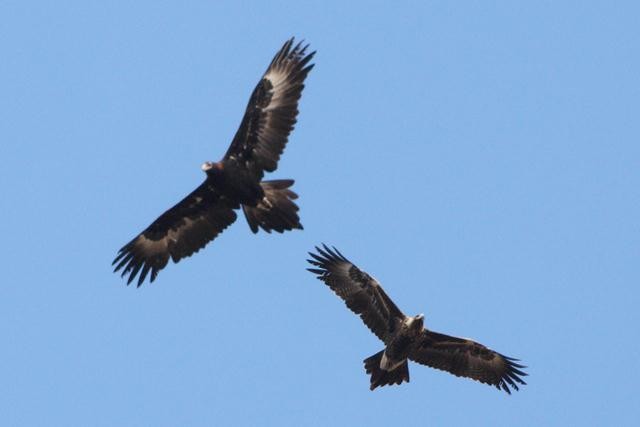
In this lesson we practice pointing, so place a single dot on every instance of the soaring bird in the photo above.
(235, 181)
(405, 337)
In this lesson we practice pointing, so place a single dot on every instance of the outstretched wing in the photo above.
(178, 233)
(271, 112)
(361, 292)
(466, 358)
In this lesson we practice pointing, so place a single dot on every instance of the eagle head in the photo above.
(418, 322)
(211, 167)
(413, 323)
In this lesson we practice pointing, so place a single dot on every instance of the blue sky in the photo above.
(480, 159)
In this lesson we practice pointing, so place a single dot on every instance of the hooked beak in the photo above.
(206, 166)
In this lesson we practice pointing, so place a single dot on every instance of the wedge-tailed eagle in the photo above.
(405, 337)
(236, 180)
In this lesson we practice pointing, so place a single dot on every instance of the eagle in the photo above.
(235, 181)
(405, 337)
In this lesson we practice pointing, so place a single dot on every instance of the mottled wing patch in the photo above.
(178, 233)
(362, 294)
(467, 358)
(271, 112)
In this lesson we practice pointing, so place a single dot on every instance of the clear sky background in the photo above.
(480, 159)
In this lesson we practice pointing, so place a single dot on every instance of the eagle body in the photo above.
(234, 182)
(405, 337)
(401, 343)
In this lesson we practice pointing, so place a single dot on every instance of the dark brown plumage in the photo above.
(236, 180)
(405, 337)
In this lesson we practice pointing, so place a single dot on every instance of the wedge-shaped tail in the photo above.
(381, 377)
(276, 211)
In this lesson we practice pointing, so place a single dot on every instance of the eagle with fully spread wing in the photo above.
(405, 337)
(235, 181)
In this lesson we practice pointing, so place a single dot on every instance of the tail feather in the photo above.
(381, 377)
(276, 211)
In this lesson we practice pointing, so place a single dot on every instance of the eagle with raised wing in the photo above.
(405, 337)
(235, 181)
